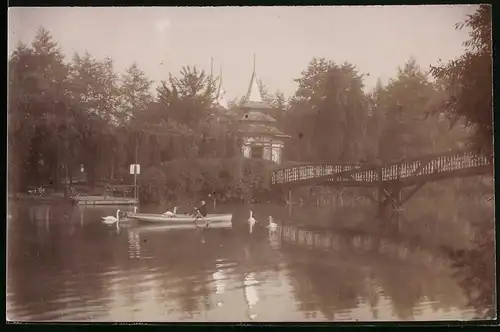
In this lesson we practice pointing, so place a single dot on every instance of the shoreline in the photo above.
(26, 197)
(352, 230)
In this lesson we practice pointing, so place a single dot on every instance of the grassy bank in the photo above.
(226, 179)
(447, 213)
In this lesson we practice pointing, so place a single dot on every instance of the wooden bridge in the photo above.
(390, 179)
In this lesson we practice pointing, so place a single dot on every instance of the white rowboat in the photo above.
(180, 220)
(157, 227)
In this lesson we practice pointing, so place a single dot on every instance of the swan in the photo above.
(251, 221)
(117, 226)
(171, 214)
(272, 225)
(111, 219)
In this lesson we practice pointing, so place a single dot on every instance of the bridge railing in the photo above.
(307, 172)
(397, 171)
(433, 164)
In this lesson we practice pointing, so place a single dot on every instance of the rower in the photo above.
(201, 212)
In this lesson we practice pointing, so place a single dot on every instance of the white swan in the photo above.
(272, 225)
(251, 221)
(171, 214)
(111, 219)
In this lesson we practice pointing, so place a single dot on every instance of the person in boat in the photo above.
(201, 212)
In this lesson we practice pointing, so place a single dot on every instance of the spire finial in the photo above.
(211, 66)
(220, 84)
(253, 93)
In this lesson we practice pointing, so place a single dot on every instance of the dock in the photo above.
(103, 200)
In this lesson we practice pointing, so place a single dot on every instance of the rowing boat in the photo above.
(179, 220)
(157, 227)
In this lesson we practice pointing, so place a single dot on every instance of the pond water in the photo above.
(64, 264)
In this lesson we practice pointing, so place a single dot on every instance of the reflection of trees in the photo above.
(326, 287)
(43, 272)
(404, 289)
(475, 271)
(442, 213)
(325, 281)
(190, 262)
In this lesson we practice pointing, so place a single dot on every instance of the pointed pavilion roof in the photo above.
(253, 98)
(255, 121)
(221, 100)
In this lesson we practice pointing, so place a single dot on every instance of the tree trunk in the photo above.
(112, 171)
(66, 182)
(55, 175)
(90, 175)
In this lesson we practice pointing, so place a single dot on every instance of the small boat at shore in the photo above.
(180, 220)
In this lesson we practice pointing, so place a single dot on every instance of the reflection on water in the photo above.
(251, 295)
(64, 264)
(134, 245)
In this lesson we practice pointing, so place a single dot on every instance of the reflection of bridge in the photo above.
(390, 179)
(331, 242)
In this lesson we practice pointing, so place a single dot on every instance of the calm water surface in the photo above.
(64, 264)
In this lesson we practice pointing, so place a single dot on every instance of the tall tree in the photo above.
(276, 100)
(375, 122)
(469, 80)
(94, 93)
(135, 91)
(21, 123)
(188, 98)
(403, 103)
(38, 106)
(328, 113)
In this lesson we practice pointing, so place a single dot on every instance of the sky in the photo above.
(377, 39)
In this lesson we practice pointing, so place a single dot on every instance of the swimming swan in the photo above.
(171, 214)
(111, 219)
(251, 221)
(272, 225)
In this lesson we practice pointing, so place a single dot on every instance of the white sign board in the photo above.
(135, 167)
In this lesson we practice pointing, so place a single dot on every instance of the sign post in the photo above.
(135, 169)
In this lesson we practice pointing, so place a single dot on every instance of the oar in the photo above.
(196, 217)
(198, 214)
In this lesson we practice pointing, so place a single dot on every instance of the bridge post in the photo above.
(290, 201)
(389, 196)
(380, 193)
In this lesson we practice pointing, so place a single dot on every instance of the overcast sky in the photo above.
(376, 39)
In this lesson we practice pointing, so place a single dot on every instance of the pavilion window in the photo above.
(257, 152)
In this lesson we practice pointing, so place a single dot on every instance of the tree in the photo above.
(328, 113)
(135, 102)
(94, 93)
(276, 100)
(403, 104)
(188, 102)
(135, 93)
(375, 122)
(21, 128)
(38, 109)
(188, 99)
(469, 81)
